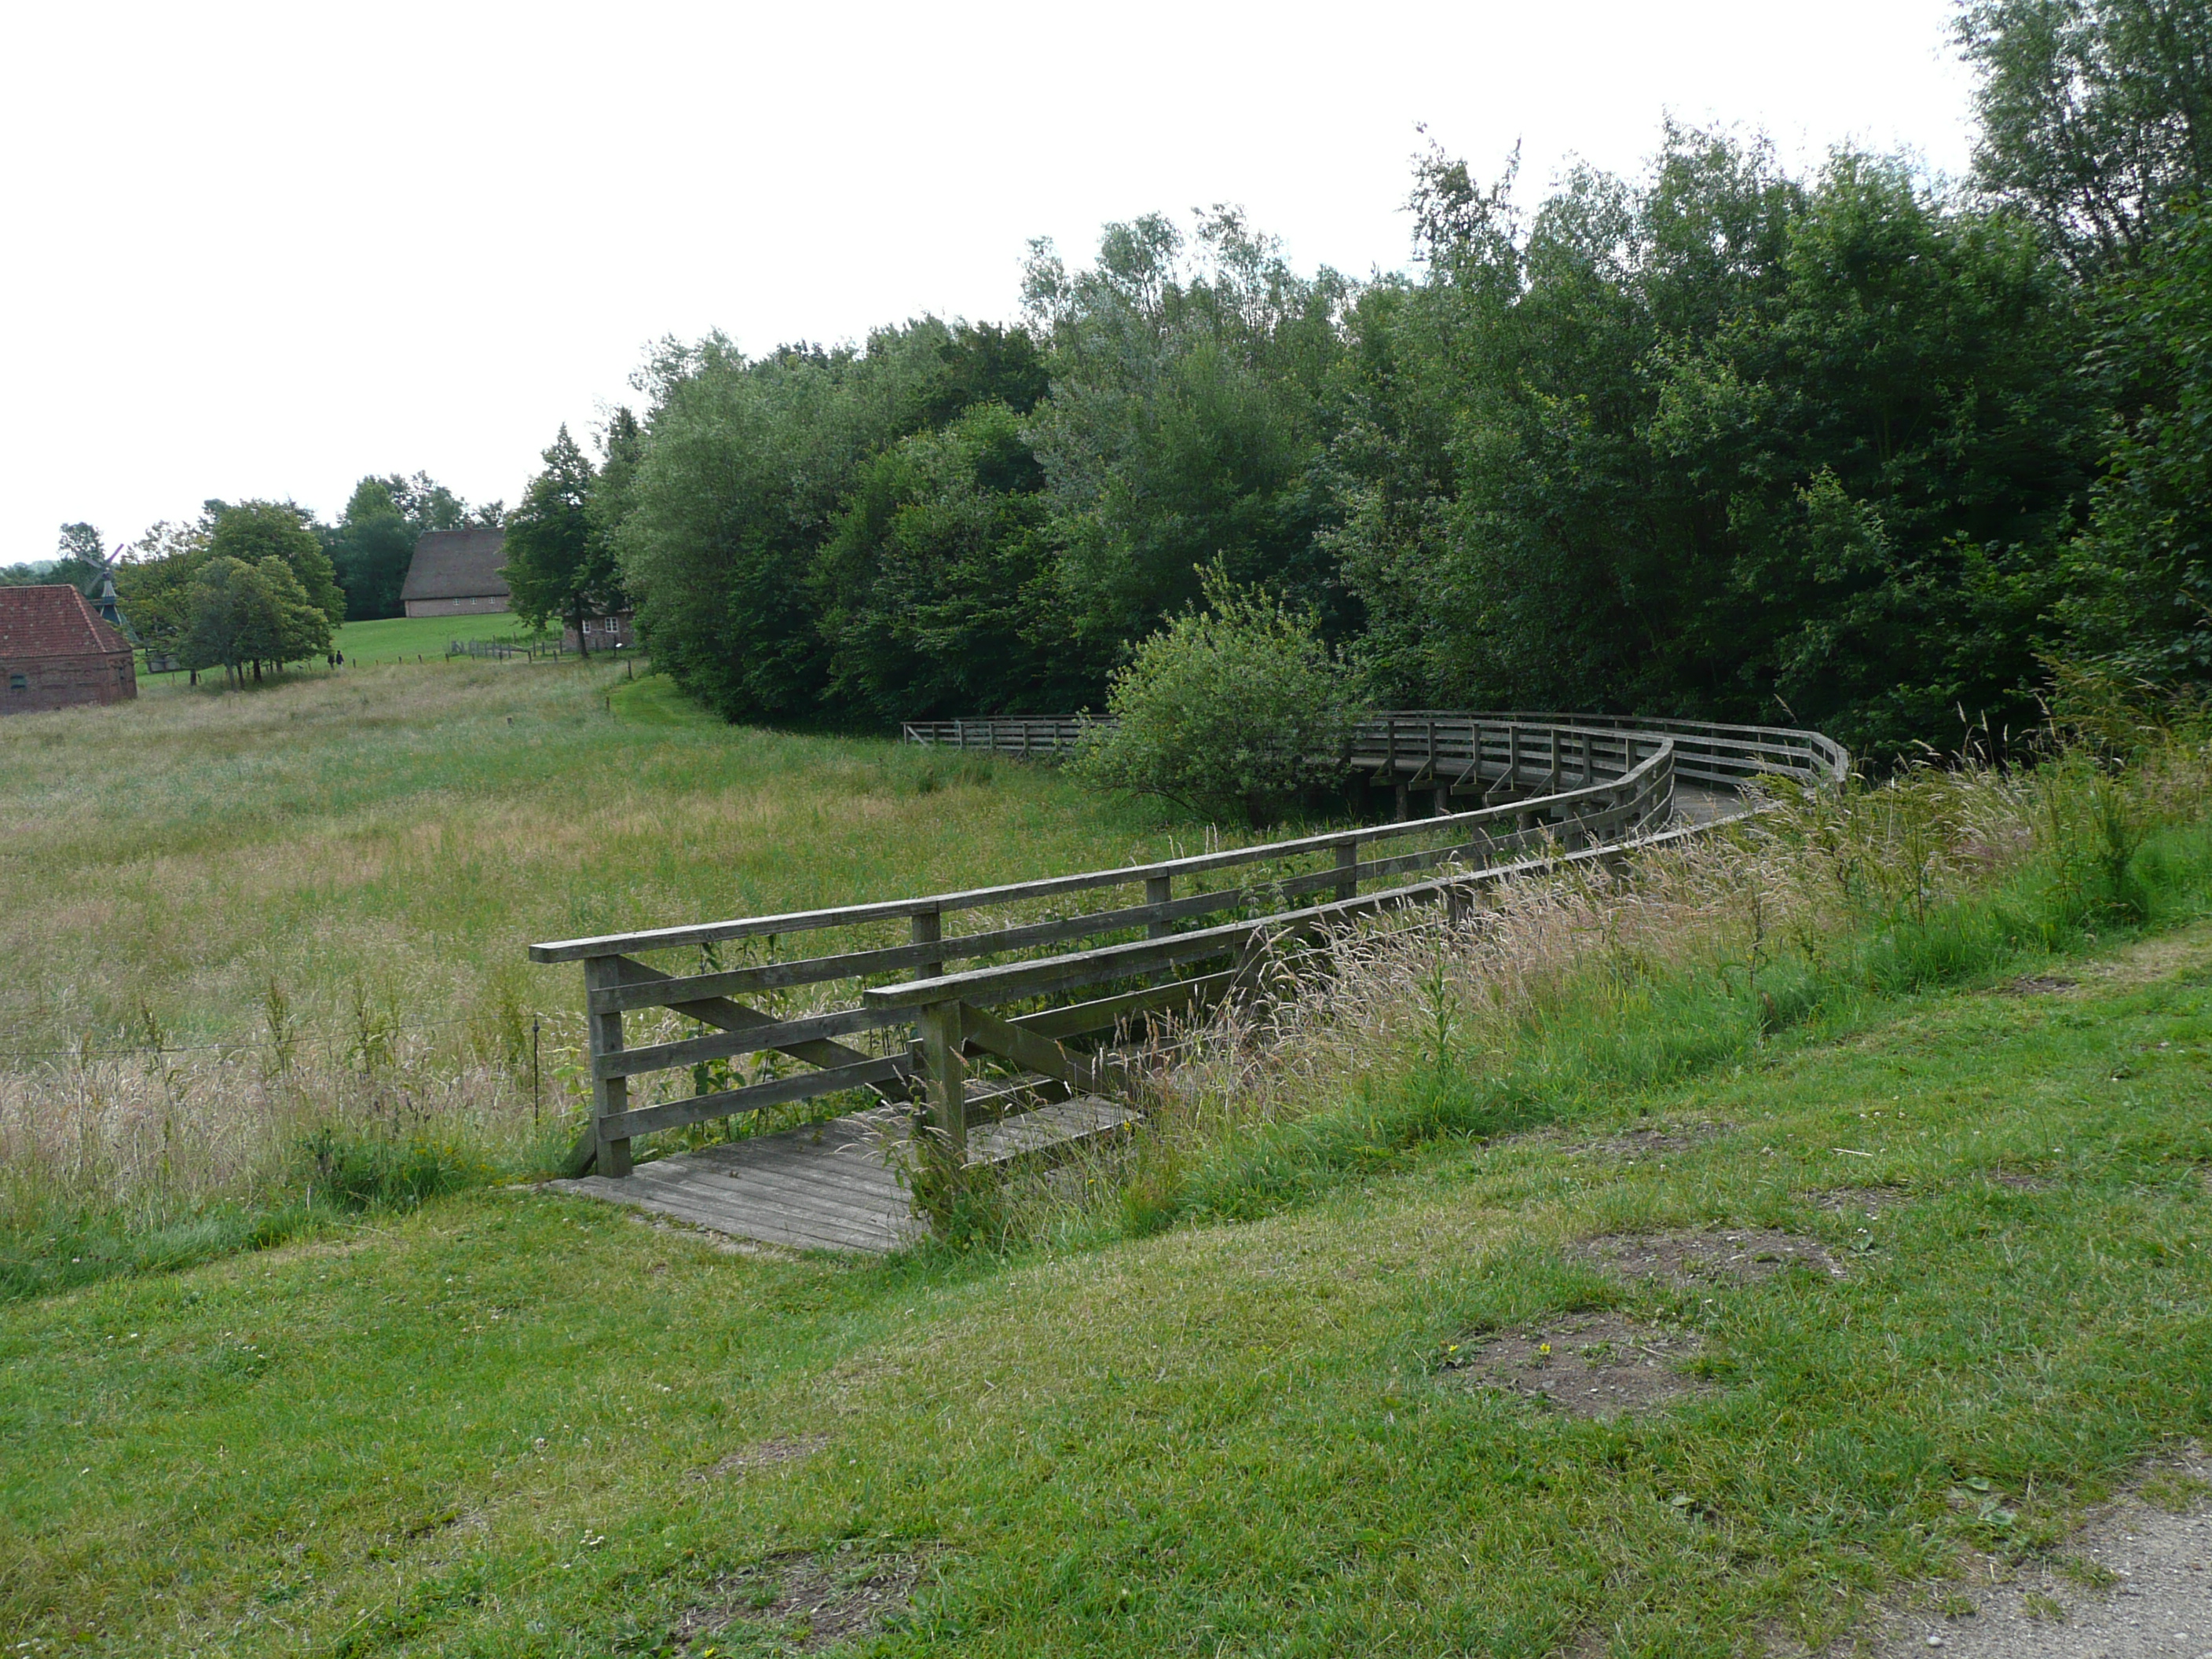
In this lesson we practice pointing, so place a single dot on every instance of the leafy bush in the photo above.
(1238, 706)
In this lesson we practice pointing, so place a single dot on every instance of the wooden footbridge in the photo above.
(930, 1049)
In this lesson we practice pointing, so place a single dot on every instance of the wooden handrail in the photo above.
(1572, 782)
(798, 922)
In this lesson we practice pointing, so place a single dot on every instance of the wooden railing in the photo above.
(1549, 790)
(1413, 747)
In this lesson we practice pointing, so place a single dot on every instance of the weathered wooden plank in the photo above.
(754, 1220)
(727, 1103)
(947, 1074)
(1046, 975)
(992, 1034)
(729, 1015)
(1104, 1014)
(604, 1037)
(856, 964)
(777, 1034)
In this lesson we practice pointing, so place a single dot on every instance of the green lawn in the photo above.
(406, 639)
(488, 1428)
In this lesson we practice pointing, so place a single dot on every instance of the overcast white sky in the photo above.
(261, 250)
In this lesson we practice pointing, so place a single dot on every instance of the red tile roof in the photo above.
(53, 621)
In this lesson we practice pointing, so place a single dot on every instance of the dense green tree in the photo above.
(559, 565)
(746, 465)
(246, 615)
(2139, 592)
(373, 541)
(2096, 115)
(369, 548)
(936, 588)
(1185, 417)
(1722, 445)
(155, 580)
(251, 531)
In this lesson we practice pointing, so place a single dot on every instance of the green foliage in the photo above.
(1237, 707)
(745, 468)
(242, 613)
(362, 1170)
(153, 581)
(937, 585)
(2096, 114)
(2140, 588)
(375, 538)
(1188, 410)
(254, 532)
(560, 565)
(1725, 445)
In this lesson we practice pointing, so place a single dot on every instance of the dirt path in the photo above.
(2135, 1582)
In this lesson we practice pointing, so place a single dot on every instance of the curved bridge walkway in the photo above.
(934, 1049)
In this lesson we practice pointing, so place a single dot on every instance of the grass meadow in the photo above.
(239, 918)
(1206, 1392)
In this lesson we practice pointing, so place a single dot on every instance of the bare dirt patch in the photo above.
(2038, 985)
(1650, 1146)
(766, 1454)
(813, 1601)
(1694, 1261)
(1589, 1365)
(2018, 1180)
(2152, 959)
(2134, 1582)
(1870, 1203)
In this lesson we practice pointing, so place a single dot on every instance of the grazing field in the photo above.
(513, 1423)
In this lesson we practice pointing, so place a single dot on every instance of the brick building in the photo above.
(55, 652)
(58, 654)
(455, 573)
(615, 633)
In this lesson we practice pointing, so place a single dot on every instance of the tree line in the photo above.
(1855, 449)
(1848, 450)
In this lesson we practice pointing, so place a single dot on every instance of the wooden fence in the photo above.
(503, 651)
(1419, 748)
(1057, 964)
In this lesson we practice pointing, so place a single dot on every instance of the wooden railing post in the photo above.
(1158, 890)
(611, 1095)
(1347, 867)
(1457, 903)
(929, 929)
(946, 1074)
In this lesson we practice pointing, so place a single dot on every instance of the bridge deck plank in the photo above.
(830, 1186)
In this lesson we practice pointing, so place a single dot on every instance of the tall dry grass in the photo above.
(1561, 992)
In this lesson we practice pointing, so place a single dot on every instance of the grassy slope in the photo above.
(479, 1429)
